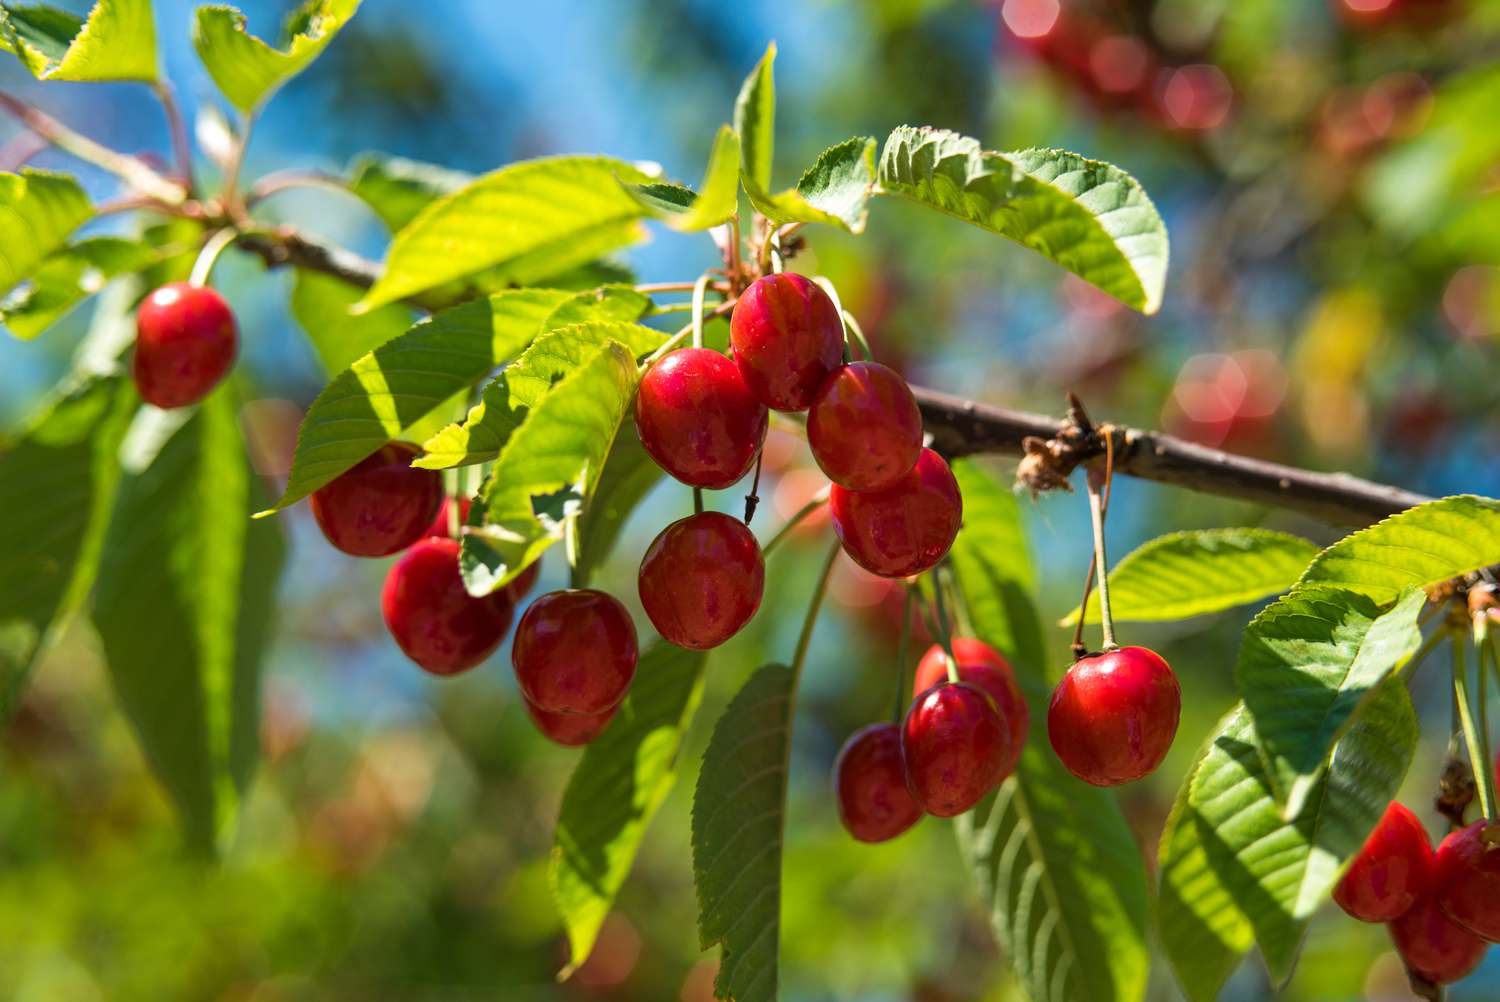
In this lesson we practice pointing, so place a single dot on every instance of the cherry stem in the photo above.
(676, 339)
(802, 513)
(903, 654)
(945, 632)
(804, 639)
(826, 284)
(1476, 740)
(209, 256)
(697, 500)
(699, 288)
(1487, 766)
(752, 500)
(177, 128)
(1101, 563)
(852, 326)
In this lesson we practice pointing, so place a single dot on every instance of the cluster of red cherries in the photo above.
(1442, 908)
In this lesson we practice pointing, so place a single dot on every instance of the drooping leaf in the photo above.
(738, 816)
(835, 190)
(320, 303)
(183, 607)
(755, 121)
(38, 209)
(1185, 574)
(398, 189)
(57, 481)
(519, 224)
(1232, 864)
(1055, 861)
(395, 386)
(621, 781)
(628, 476)
(1418, 548)
(1090, 217)
(116, 42)
(716, 201)
(1309, 663)
(247, 70)
(67, 277)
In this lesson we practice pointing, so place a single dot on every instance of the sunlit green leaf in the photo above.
(247, 70)
(716, 201)
(320, 304)
(628, 476)
(755, 121)
(835, 190)
(67, 277)
(116, 42)
(38, 209)
(398, 189)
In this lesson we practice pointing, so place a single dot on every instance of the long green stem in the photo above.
(1101, 565)
(804, 639)
(903, 656)
(802, 513)
(699, 288)
(1487, 762)
(182, 150)
(858, 333)
(1475, 740)
(945, 630)
(203, 267)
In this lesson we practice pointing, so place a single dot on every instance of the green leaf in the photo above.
(835, 190)
(394, 387)
(1187, 574)
(57, 481)
(184, 608)
(739, 813)
(117, 42)
(320, 303)
(67, 277)
(1309, 663)
(718, 199)
(399, 189)
(1419, 548)
(755, 121)
(1090, 217)
(629, 475)
(608, 303)
(519, 224)
(549, 466)
(247, 70)
(1231, 865)
(1056, 864)
(38, 209)
(621, 781)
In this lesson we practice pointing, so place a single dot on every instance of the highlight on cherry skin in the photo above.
(381, 505)
(954, 746)
(701, 579)
(985, 668)
(1391, 871)
(903, 529)
(1113, 716)
(787, 338)
(864, 428)
(575, 652)
(698, 419)
(433, 619)
(185, 344)
(869, 783)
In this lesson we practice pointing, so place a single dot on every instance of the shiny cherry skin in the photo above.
(954, 745)
(1392, 870)
(1466, 881)
(381, 505)
(904, 529)
(870, 783)
(701, 580)
(184, 344)
(1434, 946)
(435, 621)
(864, 427)
(1114, 715)
(439, 526)
(575, 652)
(698, 419)
(570, 730)
(985, 668)
(787, 338)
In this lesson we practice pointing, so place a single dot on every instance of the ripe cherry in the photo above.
(874, 803)
(1390, 872)
(701, 579)
(381, 505)
(1433, 945)
(435, 621)
(864, 427)
(1113, 716)
(1466, 881)
(905, 528)
(698, 419)
(569, 729)
(787, 338)
(439, 526)
(982, 666)
(185, 343)
(954, 745)
(575, 652)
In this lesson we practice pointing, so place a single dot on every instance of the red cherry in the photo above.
(569, 729)
(701, 579)
(1393, 868)
(982, 666)
(698, 419)
(381, 505)
(439, 526)
(1433, 945)
(1466, 881)
(864, 427)
(575, 652)
(184, 345)
(874, 803)
(954, 744)
(905, 528)
(1113, 716)
(787, 338)
(435, 621)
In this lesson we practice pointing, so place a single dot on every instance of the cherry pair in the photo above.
(956, 744)
(184, 346)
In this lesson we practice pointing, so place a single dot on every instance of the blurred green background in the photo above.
(1329, 172)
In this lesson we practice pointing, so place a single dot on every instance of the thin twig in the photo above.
(797, 517)
(286, 180)
(182, 150)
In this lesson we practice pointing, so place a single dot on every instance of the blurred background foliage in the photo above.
(1330, 174)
